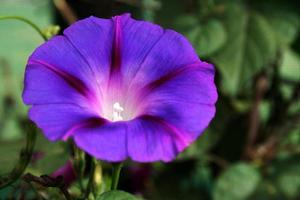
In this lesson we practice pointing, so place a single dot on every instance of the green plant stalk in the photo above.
(116, 175)
(79, 165)
(27, 21)
(89, 186)
(25, 157)
(26, 153)
(95, 180)
(98, 180)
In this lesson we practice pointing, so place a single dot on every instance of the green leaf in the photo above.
(211, 37)
(168, 10)
(186, 22)
(237, 182)
(250, 46)
(206, 37)
(116, 195)
(285, 24)
(289, 182)
(266, 191)
(200, 147)
(265, 111)
(290, 67)
(290, 70)
(286, 174)
(292, 141)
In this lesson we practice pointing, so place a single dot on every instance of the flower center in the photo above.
(117, 110)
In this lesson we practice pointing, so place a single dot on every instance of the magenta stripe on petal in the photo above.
(73, 81)
(116, 50)
(169, 76)
(181, 139)
(173, 74)
(88, 123)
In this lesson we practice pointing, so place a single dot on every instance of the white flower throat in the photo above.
(117, 110)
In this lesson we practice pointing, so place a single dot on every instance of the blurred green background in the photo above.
(252, 148)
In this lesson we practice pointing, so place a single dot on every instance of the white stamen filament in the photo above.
(117, 109)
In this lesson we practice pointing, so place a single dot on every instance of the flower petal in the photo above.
(138, 39)
(106, 142)
(185, 99)
(93, 39)
(43, 86)
(160, 54)
(152, 139)
(144, 139)
(189, 83)
(60, 65)
(57, 120)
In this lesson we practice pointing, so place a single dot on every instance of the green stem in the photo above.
(26, 153)
(90, 183)
(25, 157)
(97, 179)
(79, 163)
(27, 21)
(116, 175)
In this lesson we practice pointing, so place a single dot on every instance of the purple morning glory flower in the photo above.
(120, 88)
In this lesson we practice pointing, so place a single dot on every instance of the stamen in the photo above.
(117, 109)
